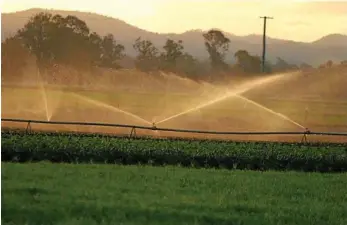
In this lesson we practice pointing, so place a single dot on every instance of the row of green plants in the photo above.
(23, 132)
(22, 147)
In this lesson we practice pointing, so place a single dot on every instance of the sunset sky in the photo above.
(294, 20)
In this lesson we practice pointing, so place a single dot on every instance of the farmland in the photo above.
(98, 177)
(318, 102)
(88, 194)
(22, 147)
(95, 132)
(233, 114)
(323, 115)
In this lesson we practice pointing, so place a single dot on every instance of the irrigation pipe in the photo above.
(306, 132)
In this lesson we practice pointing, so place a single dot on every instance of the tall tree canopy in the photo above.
(247, 62)
(172, 52)
(14, 57)
(111, 52)
(67, 40)
(217, 46)
(147, 58)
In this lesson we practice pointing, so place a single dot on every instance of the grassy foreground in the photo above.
(45, 193)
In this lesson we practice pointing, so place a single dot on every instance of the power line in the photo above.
(264, 41)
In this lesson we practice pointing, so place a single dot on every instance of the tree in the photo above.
(305, 66)
(281, 65)
(70, 42)
(94, 48)
(67, 40)
(172, 52)
(36, 36)
(147, 58)
(111, 52)
(329, 64)
(188, 65)
(247, 62)
(14, 57)
(217, 46)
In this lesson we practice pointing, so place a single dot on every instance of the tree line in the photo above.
(54, 39)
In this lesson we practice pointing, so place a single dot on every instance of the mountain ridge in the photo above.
(334, 46)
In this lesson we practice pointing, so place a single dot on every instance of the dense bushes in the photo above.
(22, 147)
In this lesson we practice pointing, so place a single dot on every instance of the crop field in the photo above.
(232, 114)
(88, 194)
(70, 148)
(315, 100)
(146, 105)
(57, 174)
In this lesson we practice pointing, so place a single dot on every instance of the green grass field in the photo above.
(45, 193)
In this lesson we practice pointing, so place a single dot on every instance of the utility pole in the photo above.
(264, 41)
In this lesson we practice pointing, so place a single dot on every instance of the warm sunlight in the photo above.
(168, 112)
(295, 20)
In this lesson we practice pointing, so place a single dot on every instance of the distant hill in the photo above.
(333, 47)
(332, 40)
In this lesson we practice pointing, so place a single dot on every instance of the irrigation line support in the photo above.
(304, 137)
(133, 132)
(28, 129)
(306, 133)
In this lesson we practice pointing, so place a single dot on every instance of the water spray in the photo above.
(306, 114)
(270, 110)
(44, 94)
(110, 107)
(242, 89)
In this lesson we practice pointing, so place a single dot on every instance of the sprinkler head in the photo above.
(153, 126)
(307, 130)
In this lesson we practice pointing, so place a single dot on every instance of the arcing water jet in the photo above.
(112, 108)
(243, 88)
(44, 95)
(50, 103)
(270, 110)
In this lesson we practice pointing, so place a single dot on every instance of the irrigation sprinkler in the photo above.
(307, 131)
(304, 137)
(28, 129)
(134, 127)
(133, 132)
(154, 127)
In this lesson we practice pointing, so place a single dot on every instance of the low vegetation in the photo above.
(44, 193)
(69, 148)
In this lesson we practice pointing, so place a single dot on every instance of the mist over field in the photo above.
(106, 123)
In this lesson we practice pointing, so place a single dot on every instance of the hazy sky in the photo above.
(294, 20)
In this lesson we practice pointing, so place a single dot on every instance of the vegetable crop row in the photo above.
(22, 147)
(22, 132)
